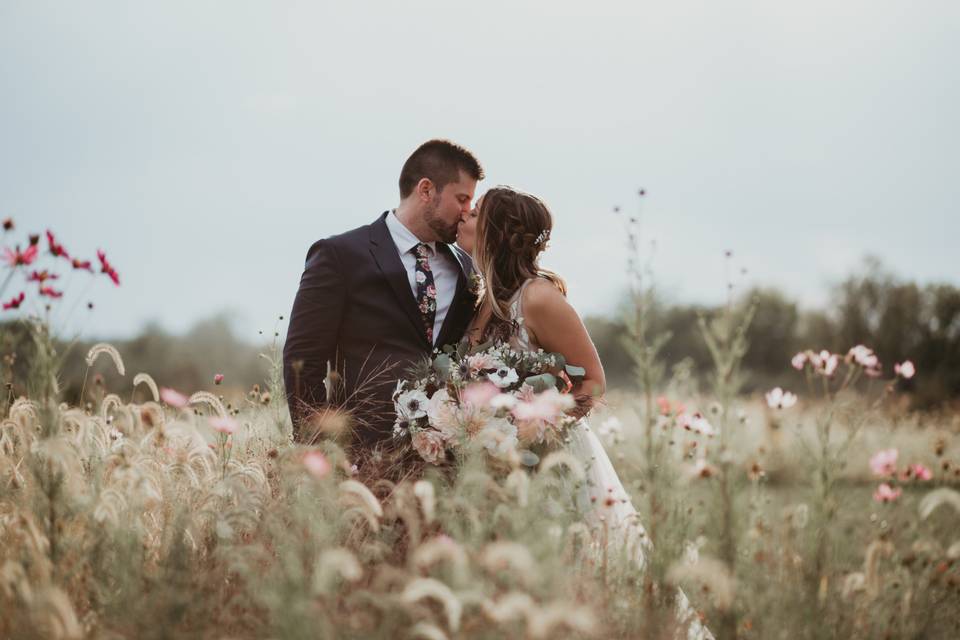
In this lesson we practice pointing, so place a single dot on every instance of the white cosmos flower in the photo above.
(777, 398)
(412, 404)
(697, 423)
(503, 377)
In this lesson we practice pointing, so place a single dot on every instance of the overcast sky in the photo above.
(206, 145)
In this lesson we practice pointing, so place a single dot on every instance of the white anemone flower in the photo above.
(412, 404)
(503, 377)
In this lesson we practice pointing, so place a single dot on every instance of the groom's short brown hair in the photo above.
(439, 160)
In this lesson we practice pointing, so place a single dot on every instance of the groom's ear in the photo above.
(425, 189)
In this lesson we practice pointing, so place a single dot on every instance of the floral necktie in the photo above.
(426, 290)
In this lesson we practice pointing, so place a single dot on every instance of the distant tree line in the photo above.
(900, 320)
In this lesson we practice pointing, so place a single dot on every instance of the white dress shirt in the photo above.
(446, 270)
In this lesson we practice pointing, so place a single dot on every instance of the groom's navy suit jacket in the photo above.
(355, 309)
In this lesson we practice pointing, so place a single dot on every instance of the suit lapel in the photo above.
(384, 252)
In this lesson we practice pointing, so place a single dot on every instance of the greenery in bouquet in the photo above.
(514, 404)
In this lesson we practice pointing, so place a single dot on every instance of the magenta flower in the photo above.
(41, 276)
(14, 302)
(224, 424)
(905, 369)
(218, 378)
(921, 472)
(82, 264)
(884, 463)
(55, 247)
(173, 398)
(886, 493)
(17, 258)
(107, 268)
(50, 292)
(316, 464)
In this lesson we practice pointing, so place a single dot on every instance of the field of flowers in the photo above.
(823, 511)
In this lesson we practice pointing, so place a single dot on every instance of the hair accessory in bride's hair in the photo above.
(542, 238)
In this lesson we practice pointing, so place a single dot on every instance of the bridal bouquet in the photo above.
(507, 401)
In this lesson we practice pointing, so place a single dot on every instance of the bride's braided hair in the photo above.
(513, 228)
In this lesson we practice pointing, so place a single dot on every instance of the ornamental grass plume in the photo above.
(316, 464)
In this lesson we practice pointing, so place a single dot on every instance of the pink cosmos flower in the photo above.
(663, 405)
(827, 363)
(799, 361)
(107, 268)
(218, 378)
(884, 463)
(14, 302)
(921, 472)
(173, 398)
(55, 247)
(41, 276)
(905, 369)
(50, 292)
(886, 493)
(430, 444)
(224, 424)
(82, 264)
(479, 394)
(316, 464)
(17, 258)
(863, 356)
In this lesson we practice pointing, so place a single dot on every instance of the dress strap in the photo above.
(516, 306)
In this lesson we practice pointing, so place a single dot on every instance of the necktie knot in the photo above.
(422, 250)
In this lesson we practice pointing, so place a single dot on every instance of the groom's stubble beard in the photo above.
(445, 233)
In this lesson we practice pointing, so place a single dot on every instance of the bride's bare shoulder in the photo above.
(541, 295)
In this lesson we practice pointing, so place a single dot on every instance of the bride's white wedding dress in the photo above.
(602, 499)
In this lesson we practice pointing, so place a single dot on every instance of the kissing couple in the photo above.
(436, 271)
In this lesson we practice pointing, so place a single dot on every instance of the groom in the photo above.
(374, 300)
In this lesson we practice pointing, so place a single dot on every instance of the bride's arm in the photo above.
(555, 326)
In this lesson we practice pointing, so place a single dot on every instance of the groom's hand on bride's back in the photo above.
(312, 334)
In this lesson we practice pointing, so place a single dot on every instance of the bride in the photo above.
(526, 305)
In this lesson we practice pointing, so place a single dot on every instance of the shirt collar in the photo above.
(403, 237)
